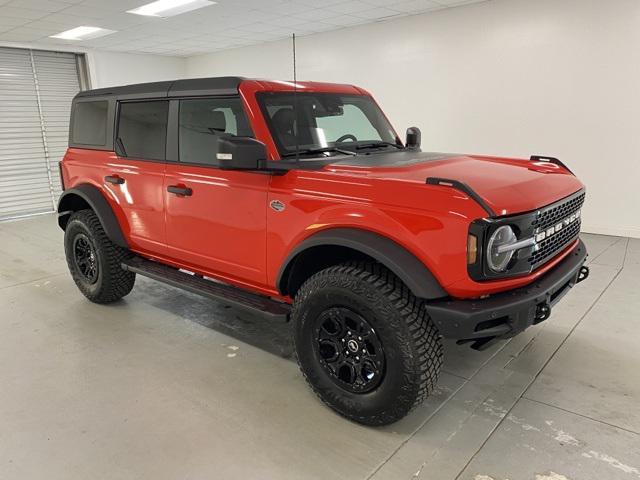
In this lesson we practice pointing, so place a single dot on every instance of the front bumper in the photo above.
(506, 314)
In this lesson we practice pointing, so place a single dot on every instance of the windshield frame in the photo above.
(333, 148)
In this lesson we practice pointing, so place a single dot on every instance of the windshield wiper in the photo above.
(378, 144)
(310, 151)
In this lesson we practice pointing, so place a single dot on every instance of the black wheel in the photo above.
(364, 343)
(348, 349)
(94, 260)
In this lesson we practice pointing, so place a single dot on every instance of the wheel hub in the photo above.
(349, 349)
(85, 259)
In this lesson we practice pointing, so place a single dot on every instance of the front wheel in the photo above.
(364, 343)
(94, 260)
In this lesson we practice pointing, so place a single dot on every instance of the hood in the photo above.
(508, 186)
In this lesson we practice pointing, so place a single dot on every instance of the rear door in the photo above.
(215, 219)
(135, 176)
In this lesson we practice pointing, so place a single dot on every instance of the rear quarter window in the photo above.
(90, 123)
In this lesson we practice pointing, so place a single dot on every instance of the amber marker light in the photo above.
(472, 249)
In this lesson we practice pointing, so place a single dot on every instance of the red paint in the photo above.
(226, 229)
(138, 203)
(221, 227)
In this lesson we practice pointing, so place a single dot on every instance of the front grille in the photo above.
(552, 215)
(552, 245)
(557, 212)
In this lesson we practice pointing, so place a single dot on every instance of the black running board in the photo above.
(221, 292)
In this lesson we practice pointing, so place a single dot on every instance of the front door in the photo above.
(215, 219)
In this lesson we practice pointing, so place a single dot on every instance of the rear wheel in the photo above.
(364, 343)
(94, 260)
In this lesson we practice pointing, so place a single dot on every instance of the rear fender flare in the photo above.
(84, 195)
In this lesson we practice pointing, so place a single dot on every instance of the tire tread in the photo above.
(424, 340)
(116, 282)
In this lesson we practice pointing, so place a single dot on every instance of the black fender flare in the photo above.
(69, 202)
(406, 266)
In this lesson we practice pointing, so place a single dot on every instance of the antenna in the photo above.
(293, 38)
(295, 98)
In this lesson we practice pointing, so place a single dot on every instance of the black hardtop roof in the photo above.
(173, 88)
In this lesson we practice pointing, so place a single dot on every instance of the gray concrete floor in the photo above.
(167, 385)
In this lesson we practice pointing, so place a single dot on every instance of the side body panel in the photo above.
(318, 201)
(221, 227)
(138, 203)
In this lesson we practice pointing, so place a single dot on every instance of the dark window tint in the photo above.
(90, 123)
(142, 129)
(204, 121)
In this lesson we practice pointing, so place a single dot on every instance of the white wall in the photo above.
(109, 69)
(506, 77)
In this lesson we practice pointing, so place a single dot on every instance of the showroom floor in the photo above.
(166, 385)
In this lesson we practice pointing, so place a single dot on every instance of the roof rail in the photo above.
(172, 88)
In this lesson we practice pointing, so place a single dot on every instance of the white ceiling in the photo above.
(228, 24)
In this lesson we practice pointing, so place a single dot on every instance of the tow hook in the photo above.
(542, 312)
(583, 274)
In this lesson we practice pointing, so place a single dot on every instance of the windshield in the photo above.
(326, 123)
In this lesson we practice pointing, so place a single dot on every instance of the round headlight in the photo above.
(502, 236)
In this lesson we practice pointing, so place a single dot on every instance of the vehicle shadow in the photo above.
(270, 336)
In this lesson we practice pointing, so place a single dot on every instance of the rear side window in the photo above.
(203, 122)
(90, 123)
(142, 129)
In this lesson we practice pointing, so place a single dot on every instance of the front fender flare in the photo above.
(79, 197)
(406, 266)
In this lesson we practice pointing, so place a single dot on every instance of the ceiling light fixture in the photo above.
(83, 33)
(169, 8)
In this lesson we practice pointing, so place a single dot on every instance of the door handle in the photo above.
(115, 179)
(180, 190)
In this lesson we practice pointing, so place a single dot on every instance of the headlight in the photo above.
(498, 258)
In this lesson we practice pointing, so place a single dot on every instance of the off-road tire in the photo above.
(411, 342)
(112, 281)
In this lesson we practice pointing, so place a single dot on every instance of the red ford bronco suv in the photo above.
(299, 200)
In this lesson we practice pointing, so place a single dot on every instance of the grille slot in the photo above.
(552, 245)
(554, 214)
(549, 217)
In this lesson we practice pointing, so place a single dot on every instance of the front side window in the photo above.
(142, 129)
(203, 122)
(90, 123)
(307, 122)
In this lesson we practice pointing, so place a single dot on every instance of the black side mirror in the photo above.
(413, 138)
(241, 153)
